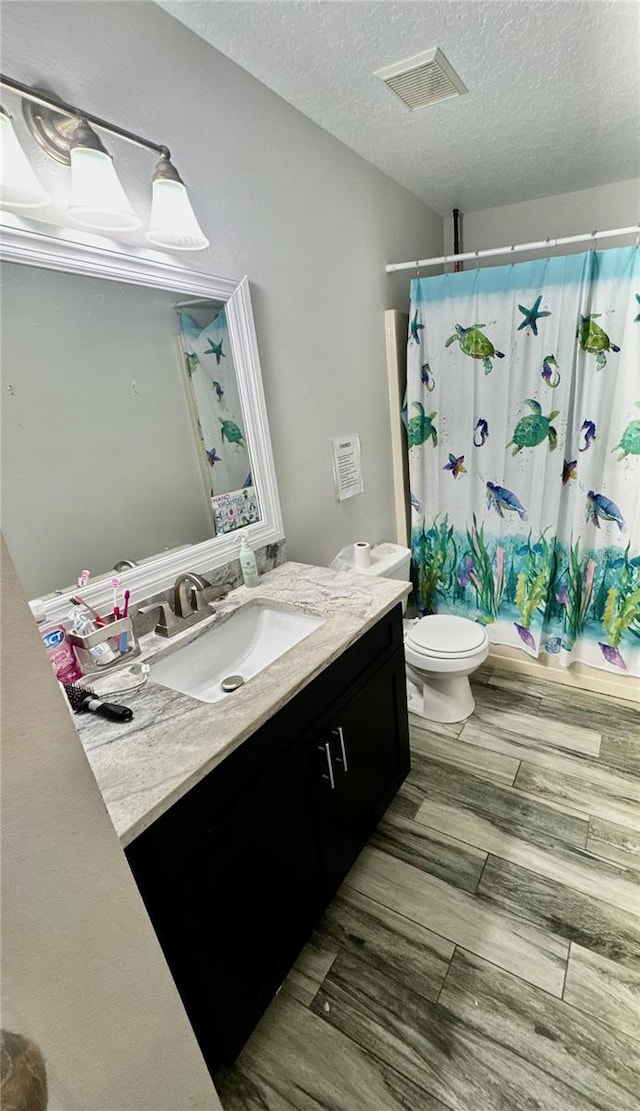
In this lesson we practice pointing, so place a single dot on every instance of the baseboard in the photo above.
(578, 675)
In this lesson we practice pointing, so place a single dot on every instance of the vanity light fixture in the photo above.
(172, 223)
(97, 198)
(19, 186)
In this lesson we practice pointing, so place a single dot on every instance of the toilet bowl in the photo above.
(441, 652)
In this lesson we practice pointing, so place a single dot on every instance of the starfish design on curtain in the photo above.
(416, 328)
(569, 470)
(637, 319)
(216, 349)
(532, 316)
(455, 465)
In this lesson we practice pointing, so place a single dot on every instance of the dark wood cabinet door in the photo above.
(256, 886)
(370, 748)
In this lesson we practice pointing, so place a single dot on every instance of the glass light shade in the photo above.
(19, 186)
(97, 198)
(172, 223)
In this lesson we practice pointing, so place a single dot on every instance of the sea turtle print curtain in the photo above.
(523, 422)
(214, 386)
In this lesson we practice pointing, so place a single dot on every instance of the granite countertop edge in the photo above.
(143, 768)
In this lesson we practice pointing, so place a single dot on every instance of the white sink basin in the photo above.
(242, 646)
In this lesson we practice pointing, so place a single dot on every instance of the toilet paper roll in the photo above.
(361, 555)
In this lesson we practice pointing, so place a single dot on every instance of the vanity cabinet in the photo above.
(370, 755)
(237, 873)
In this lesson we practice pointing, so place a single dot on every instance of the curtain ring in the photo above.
(638, 237)
(477, 263)
(593, 240)
(417, 268)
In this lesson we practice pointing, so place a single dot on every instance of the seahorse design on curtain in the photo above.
(523, 398)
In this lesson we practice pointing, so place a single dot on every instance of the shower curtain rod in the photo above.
(196, 301)
(516, 248)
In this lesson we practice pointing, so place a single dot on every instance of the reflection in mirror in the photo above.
(214, 389)
(122, 428)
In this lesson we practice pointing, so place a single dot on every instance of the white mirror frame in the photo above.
(52, 252)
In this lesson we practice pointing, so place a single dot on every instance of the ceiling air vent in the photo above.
(422, 80)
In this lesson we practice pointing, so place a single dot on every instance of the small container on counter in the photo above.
(57, 642)
(248, 564)
(106, 647)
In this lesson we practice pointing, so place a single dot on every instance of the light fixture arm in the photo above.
(37, 96)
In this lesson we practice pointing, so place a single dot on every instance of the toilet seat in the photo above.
(443, 636)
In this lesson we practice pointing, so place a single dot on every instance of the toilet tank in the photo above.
(390, 561)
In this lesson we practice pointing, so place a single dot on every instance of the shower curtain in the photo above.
(523, 423)
(214, 387)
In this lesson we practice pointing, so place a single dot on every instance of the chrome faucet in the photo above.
(185, 612)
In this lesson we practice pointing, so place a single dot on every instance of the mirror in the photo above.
(133, 419)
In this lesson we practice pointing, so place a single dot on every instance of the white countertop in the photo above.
(144, 766)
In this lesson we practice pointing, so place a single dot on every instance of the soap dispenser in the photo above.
(248, 564)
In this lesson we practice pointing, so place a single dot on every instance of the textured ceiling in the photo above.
(554, 86)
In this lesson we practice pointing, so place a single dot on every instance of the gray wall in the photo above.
(93, 469)
(82, 971)
(607, 206)
(309, 221)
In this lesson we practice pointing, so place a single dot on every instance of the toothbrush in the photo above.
(125, 613)
(115, 583)
(82, 580)
(78, 600)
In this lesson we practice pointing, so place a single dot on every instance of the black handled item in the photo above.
(85, 700)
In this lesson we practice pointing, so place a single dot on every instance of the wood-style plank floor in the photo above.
(484, 952)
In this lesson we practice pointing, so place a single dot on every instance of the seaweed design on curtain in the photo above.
(523, 389)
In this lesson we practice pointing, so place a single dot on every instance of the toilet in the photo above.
(441, 650)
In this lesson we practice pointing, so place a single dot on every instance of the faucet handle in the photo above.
(168, 624)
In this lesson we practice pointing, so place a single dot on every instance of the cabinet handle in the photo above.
(327, 751)
(339, 732)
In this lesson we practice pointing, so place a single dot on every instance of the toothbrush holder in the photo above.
(118, 634)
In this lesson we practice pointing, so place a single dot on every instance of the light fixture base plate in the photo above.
(51, 129)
